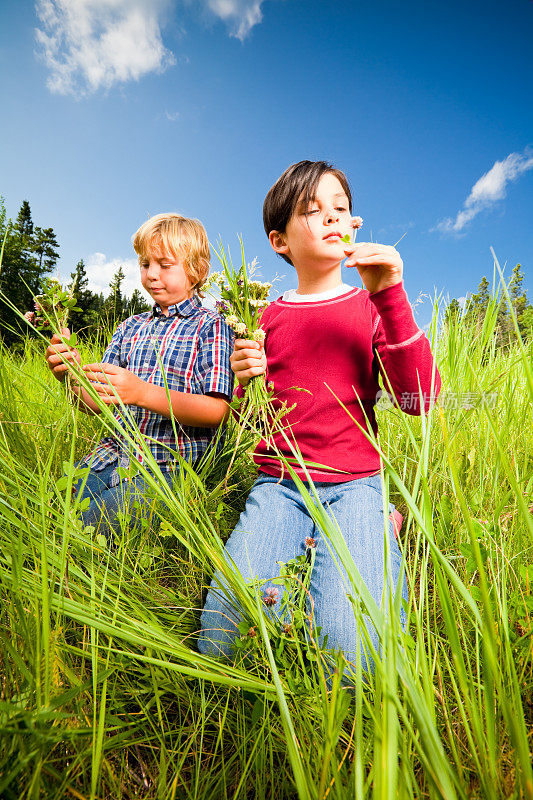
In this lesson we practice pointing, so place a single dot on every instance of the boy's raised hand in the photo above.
(247, 360)
(109, 381)
(379, 265)
(57, 362)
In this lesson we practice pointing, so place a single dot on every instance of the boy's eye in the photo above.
(310, 211)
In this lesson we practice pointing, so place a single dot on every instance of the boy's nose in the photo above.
(331, 216)
(152, 271)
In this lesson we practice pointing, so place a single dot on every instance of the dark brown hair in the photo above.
(297, 184)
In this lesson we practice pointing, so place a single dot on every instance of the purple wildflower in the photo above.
(270, 596)
(29, 316)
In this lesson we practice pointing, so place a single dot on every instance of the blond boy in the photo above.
(178, 343)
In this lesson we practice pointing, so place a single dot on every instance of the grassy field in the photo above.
(104, 695)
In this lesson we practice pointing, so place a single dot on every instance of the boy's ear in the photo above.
(278, 242)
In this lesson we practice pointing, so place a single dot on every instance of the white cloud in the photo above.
(488, 190)
(93, 44)
(239, 15)
(101, 270)
(172, 116)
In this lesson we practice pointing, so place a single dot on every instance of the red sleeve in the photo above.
(403, 348)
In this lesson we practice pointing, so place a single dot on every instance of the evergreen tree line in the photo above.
(30, 254)
(483, 301)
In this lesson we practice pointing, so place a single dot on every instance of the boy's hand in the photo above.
(379, 265)
(55, 361)
(247, 360)
(110, 381)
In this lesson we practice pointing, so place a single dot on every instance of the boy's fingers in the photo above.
(371, 248)
(51, 351)
(56, 339)
(249, 343)
(54, 356)
(241, 355)
(378, 260)
(100, 378)
(252, 372)
(58, 369)
(108, 399)
(103, 389)
(350, 248)
(107, 369)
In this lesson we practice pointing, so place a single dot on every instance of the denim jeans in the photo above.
(273, 527)
(106, 501)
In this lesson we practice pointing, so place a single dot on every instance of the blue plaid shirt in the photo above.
(193, 346)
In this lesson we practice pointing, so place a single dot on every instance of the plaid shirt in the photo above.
(193, 346)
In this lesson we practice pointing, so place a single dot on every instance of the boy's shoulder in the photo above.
(191, 313)
(208, 319)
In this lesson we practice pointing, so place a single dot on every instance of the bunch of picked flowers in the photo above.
(52, 308)
(241, 303)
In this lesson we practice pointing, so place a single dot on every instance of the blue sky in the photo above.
(114, 110)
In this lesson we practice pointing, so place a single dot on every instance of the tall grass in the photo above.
(104, 694)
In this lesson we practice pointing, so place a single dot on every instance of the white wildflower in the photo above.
(259, 336)
(241, 328)
(232, 321)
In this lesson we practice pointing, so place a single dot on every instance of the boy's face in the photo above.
(314, 233)
(165, 280)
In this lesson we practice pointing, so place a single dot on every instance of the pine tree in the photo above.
(46, 246)
(114, 305)
(21, 274)
(87, 320)
(519, 301)
(478, 303)
(453, 311)
(525, 323)
(137, 304)
(24, 223)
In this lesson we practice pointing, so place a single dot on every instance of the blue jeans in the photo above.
(273, 527)
(106, 501)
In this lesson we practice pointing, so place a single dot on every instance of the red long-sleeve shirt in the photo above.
(334, 343)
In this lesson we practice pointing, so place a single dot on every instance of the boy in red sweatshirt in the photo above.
(329, 339)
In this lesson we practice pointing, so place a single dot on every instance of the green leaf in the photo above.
(258, 711)
(62, 482)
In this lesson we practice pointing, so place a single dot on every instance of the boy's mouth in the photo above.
(333, 235)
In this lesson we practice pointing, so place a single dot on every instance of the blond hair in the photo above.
(181, 237)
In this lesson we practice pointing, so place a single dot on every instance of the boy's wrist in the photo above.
(143, 393)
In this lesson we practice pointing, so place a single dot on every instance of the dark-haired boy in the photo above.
(327, 338)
